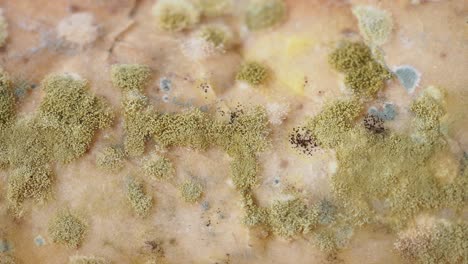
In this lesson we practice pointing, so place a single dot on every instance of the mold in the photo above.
(111, 159)
(441, 243)
(375, 25)
(262, 14)
(388, 113)
(130, 76)
(67, 229)
(138, 199)
(363, 74)
(175, 15)
(253, 73)
(214, 8)
(158, 168)
(408, 76)
(191, 191)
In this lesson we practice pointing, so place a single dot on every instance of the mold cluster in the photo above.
(407, 184)
(29, 183)
(388, 112)
(73, 114)
(111, 159)
(292, 217)
(191, 191)
(408, 76)
(375, 25)
(158, 168)
(130, 76)
(441, 243)
(191, 128)
(175, 15)
(138, 199)
(262, 14)
(67, 229)
(214, 8)
(61, 130)
(242, 136)
(218, 35)
(7, 100)
(384, 178)
(363, 74)
(331, 124)
(374, 123)
(254, 73)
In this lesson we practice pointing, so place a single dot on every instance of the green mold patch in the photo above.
(289, 218)
(394, 171)
(139, 117)
(429, 110)
(331, 239)
(367, 80)
(442, 243)
(363, 74)
(325, 241)
(72, 115)
(7, 259)
(387, 176)
(7, 115)
(244, 169)
(7, 100)
(254, 215)
(213, 8)
(218, 35)
(130, 76)
(111, 159)
(246, 133)
(191, 128)
(138, 199)
(253, 73)
(87, 260)
(375, 25)
(331, 124)
(293, 218)
(326, 212)
(262, 14)
(191, 191)
(61, 130)
(175, 15)
(158, 168)
(67, 229)
(390, 169)
(29, 183)
(188, 128)
(29, 143)
(349, 56)
(242, 136)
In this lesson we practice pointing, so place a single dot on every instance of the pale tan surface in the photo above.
(433, 37)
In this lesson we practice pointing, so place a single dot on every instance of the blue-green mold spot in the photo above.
(39, 241)
(408, 76)
(387, 113)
